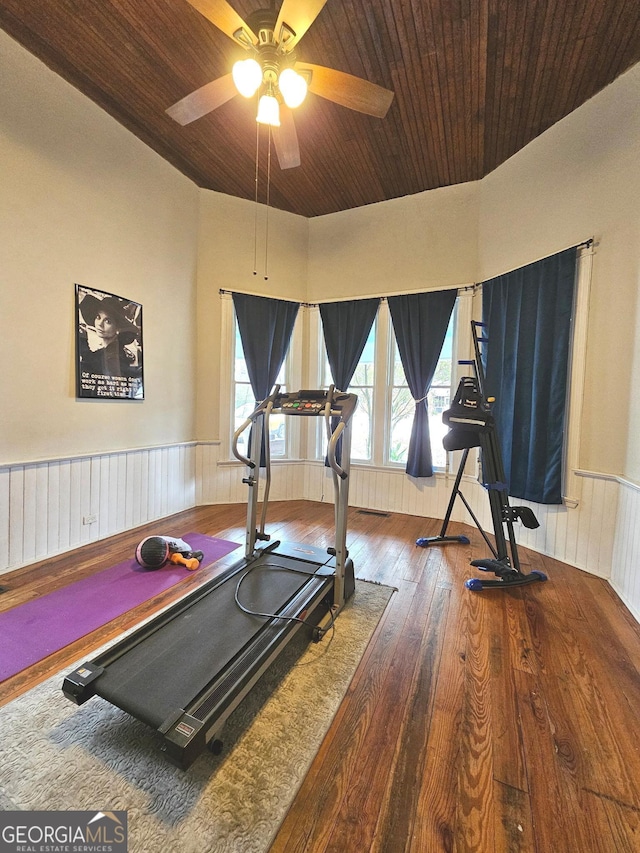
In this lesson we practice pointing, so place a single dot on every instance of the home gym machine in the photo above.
(471, 424)
(186, 670)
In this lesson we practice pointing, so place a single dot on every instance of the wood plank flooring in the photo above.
(504, 721)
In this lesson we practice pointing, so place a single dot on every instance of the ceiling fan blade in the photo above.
(347, 90)
(286, 140)
(297, 15)
(204, 100)
(226, 19)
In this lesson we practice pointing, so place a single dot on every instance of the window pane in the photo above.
(437, 431)
(240, 370)
(398, 370)
(361, 434)
(402, 411)
(277, 434)
(243, 406)
(439, 399)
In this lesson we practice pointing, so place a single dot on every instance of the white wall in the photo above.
(420, 242)
(83, 201)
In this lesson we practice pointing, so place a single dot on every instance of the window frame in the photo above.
(293, 380)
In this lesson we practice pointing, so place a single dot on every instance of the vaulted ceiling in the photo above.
(474, 81)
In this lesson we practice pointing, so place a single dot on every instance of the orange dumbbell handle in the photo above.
(191, 563)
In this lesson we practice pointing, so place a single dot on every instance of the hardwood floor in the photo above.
(505, 720)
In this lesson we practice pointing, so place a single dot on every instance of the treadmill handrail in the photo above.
(234, 445)
(331, 451)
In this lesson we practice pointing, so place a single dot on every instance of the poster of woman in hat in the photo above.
(109, 346)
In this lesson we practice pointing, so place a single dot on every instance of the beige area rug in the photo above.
(59, 757)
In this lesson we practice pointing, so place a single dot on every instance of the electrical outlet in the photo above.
(89, 519)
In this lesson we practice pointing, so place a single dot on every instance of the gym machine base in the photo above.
(185, 671)
(471, 424)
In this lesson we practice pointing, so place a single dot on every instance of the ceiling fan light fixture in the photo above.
(293, 87)
(268, 111)
(247, 75)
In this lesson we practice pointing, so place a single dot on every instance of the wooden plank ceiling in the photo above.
(474, 82)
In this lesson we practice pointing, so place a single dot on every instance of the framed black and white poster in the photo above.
(108, 346)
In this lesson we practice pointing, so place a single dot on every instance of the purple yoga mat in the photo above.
(38, 628)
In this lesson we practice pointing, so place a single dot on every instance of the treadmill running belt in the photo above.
(165, 671)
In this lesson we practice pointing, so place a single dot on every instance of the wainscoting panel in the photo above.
(581, 535)
(48, 507)
(390, 490)
(219, 481)
(625, 569)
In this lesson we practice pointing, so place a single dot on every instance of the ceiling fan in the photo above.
(273, 71)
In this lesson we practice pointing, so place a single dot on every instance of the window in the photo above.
(363, 385)
(244, 401)
(402, 407)
(382, 422)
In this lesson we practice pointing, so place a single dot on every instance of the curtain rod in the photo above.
(459, 287)
(223, 292)
(585, 244)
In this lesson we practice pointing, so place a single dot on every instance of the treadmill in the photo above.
(184, 672)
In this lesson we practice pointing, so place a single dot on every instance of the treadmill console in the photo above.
(314, 402)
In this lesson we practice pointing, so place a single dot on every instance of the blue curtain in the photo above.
(528, 325)
(420, 324)
(346, 327)
(265, 327)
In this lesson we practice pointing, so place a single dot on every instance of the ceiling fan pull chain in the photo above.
(255, 218)
(266, 228)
